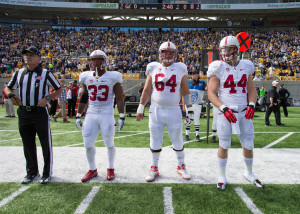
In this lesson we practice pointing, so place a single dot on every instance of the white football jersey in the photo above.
(166, 82)
(233, 81)
(100, 90)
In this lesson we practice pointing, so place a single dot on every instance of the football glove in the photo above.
(121, 123)
(189, 118)
(250, 111)
(78, 123)
(228, 113)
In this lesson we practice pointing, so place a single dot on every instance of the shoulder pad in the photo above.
(151, 66)
(182, 67)
(248, 65)
(83, 76)
(213, 68)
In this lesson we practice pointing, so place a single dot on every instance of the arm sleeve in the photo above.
(13, 83)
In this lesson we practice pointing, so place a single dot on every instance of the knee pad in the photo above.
(225, 141)
(247, 141)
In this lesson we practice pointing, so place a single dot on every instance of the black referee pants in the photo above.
(31, 123)
(283, 103)
(276, 110)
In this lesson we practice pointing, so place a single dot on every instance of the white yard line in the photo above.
(77, 144)
(277, 141)
(168, 201)
(37, 136)
(249, 203)
(12, 196)
(87, 200)
(190, 141)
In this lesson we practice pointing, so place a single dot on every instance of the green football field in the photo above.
(153, 197)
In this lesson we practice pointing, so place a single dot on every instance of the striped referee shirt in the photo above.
(33, 85)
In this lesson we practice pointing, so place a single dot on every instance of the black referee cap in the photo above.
(32, 50)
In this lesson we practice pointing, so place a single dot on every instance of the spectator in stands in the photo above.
(271, 72)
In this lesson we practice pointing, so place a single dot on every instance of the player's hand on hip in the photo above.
(78, 123)
(121, 123)
(229, 115)
(189, 118)
(250, 110)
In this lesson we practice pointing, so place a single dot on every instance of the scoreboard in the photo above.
(159, 6)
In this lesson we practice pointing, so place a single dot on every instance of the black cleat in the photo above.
(214, 139)
(29, 178)
(186, 138)
(45, 179)
(281, 125)
(197, 138)
(268, 125)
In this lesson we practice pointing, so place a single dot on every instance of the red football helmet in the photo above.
(98, 59)
(167, 52)
(229, 49)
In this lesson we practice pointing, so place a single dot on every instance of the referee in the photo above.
(33, 83)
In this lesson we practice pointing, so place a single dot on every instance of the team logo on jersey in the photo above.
(194, 95)
(227, 69)
(159, 69)
(91, 81)
(241, 69)
(37, 85)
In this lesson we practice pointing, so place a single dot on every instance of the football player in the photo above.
(98, 89)
(197, 88)
(163, 83)
(231, 78)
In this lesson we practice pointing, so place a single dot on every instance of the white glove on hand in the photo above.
(121, 123)
(78, 123)
(189, 118)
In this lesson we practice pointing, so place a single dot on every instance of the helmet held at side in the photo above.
(229, 49)
(98, 59)
(167, 52)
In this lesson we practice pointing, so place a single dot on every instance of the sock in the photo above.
(197, 133)
(187, 132)
(222, 166)
(111, 153)
(214, 132)
(248, 163)
(155, 158)
(197, 129)
(90, 154)
(180, 158)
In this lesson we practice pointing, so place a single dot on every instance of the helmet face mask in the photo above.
(98, 60)
(229, 49)
(167, 52)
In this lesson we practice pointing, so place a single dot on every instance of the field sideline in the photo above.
(277, 165)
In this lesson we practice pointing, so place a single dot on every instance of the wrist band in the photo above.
(122, 115)
(140, 109)
(78, 115)
(222, 107)
(252, 103)
(10, 95)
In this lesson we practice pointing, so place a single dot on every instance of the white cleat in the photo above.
(253, 179)
(182, 171)
(221, 185)
(152, 174)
